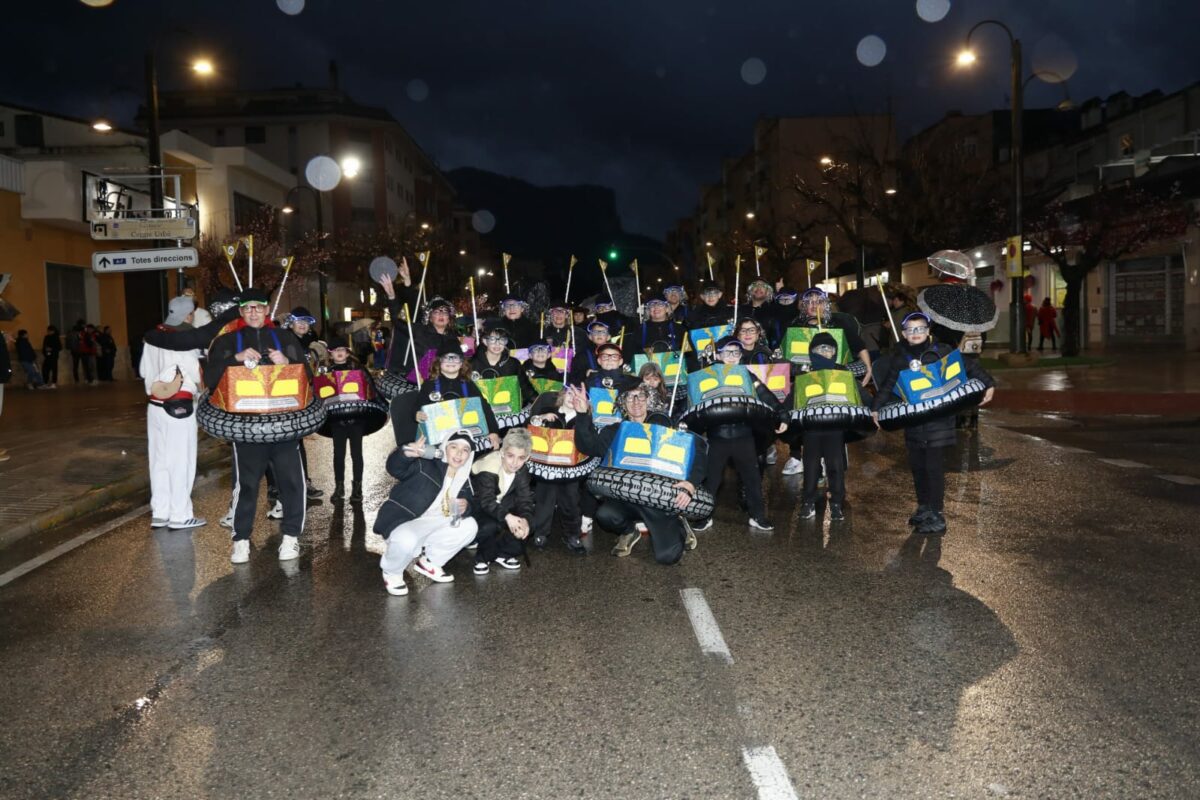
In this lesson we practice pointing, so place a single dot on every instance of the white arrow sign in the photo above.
(141, 260)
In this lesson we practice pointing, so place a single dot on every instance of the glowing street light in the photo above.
(287, 210)
(482, 271)
(826, 161)
(749, 215)
(351, 166)
(966, 57)
(462, 252)
(102, 126)
(203, 67)
(889, 191)
(708, 244)
(424, 226)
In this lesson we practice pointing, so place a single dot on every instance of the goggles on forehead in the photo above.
(785, 299)
(452, 357)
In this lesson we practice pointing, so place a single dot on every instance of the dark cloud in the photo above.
(645, 96)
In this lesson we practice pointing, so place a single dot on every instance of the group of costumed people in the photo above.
(530, 428)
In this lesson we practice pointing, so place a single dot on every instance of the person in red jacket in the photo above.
(1030, 314)
(1047, 317)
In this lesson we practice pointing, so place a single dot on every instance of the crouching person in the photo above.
(505, 502)
(428, 509)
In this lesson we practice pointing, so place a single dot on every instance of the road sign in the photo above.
(144, 260)
(132, 228)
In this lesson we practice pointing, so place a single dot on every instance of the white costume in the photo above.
(433, 530)
(171, 441)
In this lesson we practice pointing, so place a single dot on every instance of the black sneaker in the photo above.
(919, 515)
(703, 524)
(338, 491)
(313, 492)
(538, 541)
(808, 511)
(356, 494)
(835, 512)
(761, 524)
(575, 545)
(932, 525)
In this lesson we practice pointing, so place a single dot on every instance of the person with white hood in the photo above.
(429, 509)
(172, 379)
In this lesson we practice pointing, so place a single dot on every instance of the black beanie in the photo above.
(822, 338)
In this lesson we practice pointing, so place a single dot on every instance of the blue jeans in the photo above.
(32, 374)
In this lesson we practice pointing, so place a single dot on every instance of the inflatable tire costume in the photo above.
(513, 420)
(648, 490)
(734, 410)
(555, 473)
(896, 416)
(391, 385)
(259, 428)
(830, 417)
(373, 412)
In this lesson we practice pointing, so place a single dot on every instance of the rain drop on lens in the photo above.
(871, 51)
(754, 71)
(290, 7)
(483, 221)
(417, 90)
(933, 10)
(1053, 60)
(323, 173)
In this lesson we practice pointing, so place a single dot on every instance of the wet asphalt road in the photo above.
(1046, 648)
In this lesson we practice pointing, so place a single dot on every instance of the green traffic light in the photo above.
(612, 255)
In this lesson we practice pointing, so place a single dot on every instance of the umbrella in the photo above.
(360, 323)
(954, 263)
(959, 307)
(8, 311)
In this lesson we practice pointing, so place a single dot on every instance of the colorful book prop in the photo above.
(504, 396)
(797, 340)
(774, 376)
(265, 389)
(448, 416)
(654, 449)
(703, 340)
(724, 395)
(667, 362)
(829, 400)
(544, 385)
(605, 410)
(932, 390)
(554, 456)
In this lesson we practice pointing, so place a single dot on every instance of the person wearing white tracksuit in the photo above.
(172, 380)
(428, 509)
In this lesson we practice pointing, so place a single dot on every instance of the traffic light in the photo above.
(612, 255)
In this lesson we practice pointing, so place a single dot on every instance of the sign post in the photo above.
(145, 260)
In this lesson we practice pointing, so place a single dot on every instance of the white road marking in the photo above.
(1121, 462)
(1182, 480)
(68, 546)
(704, 624)
(768, 773)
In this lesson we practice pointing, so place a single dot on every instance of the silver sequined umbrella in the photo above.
(959, 307)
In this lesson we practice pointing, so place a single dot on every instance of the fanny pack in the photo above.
(179, 405)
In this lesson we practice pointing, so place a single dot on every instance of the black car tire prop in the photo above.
(555, 473)
(903, 415)
(504, 422)
(259, 428)
(737, 410)
(391, 384)
(648, 490)
(830, 417)
(373, 413)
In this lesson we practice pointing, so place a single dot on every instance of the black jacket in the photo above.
(705, 316)
(51, 346)
(190, 338)
(657, 337)
(522, 332)
(742, 430)
(937, 432)
(594, 442)
(425, 335)
(485, 482)
(221, 353)
(25, 351)
(418, 483)
(5, 361)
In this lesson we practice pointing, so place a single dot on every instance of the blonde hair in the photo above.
(517, 439)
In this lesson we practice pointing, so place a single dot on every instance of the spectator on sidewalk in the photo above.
(1030, 318)
(28, 358)
(5, 374)
(1047, 317)
(88, 349)
(107, 358)
(172, 379)
(51, 347)
(74, 339)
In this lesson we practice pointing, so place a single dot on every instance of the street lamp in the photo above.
(749, 215)
(966, 58)
(102, 126)
(351, 166)
(203, 67)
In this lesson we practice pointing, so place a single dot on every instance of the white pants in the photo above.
(440, 540)
(172, 450)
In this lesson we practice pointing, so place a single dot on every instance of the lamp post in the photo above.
(322, 281)
(1017, 307)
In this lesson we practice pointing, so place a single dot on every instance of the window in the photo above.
(29, 130)
(256, 134)
(65, 294)
(245, 211)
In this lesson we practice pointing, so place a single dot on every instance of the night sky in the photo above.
(643, 96)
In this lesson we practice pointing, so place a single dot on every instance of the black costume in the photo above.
(494, 539)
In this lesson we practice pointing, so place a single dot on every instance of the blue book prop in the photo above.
(722, 380)
(655, 449)
(667, 362)
(931, 381)
(703, 340)
(604, 406)
(448, 416)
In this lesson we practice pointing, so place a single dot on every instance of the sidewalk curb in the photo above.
(210, 453)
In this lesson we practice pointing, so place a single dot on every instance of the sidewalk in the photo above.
(1149, 382)
(71, 451)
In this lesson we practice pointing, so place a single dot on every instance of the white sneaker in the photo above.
(194, 522)
(158, 522)
(509, 562)
(481, 568)
(424, 567)
(241, 551)
(793, 466)
(289, 548)
(771, 456)
(586, 525)
(640, 527)
(395, 584)
(227, 520)
(277, 511)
